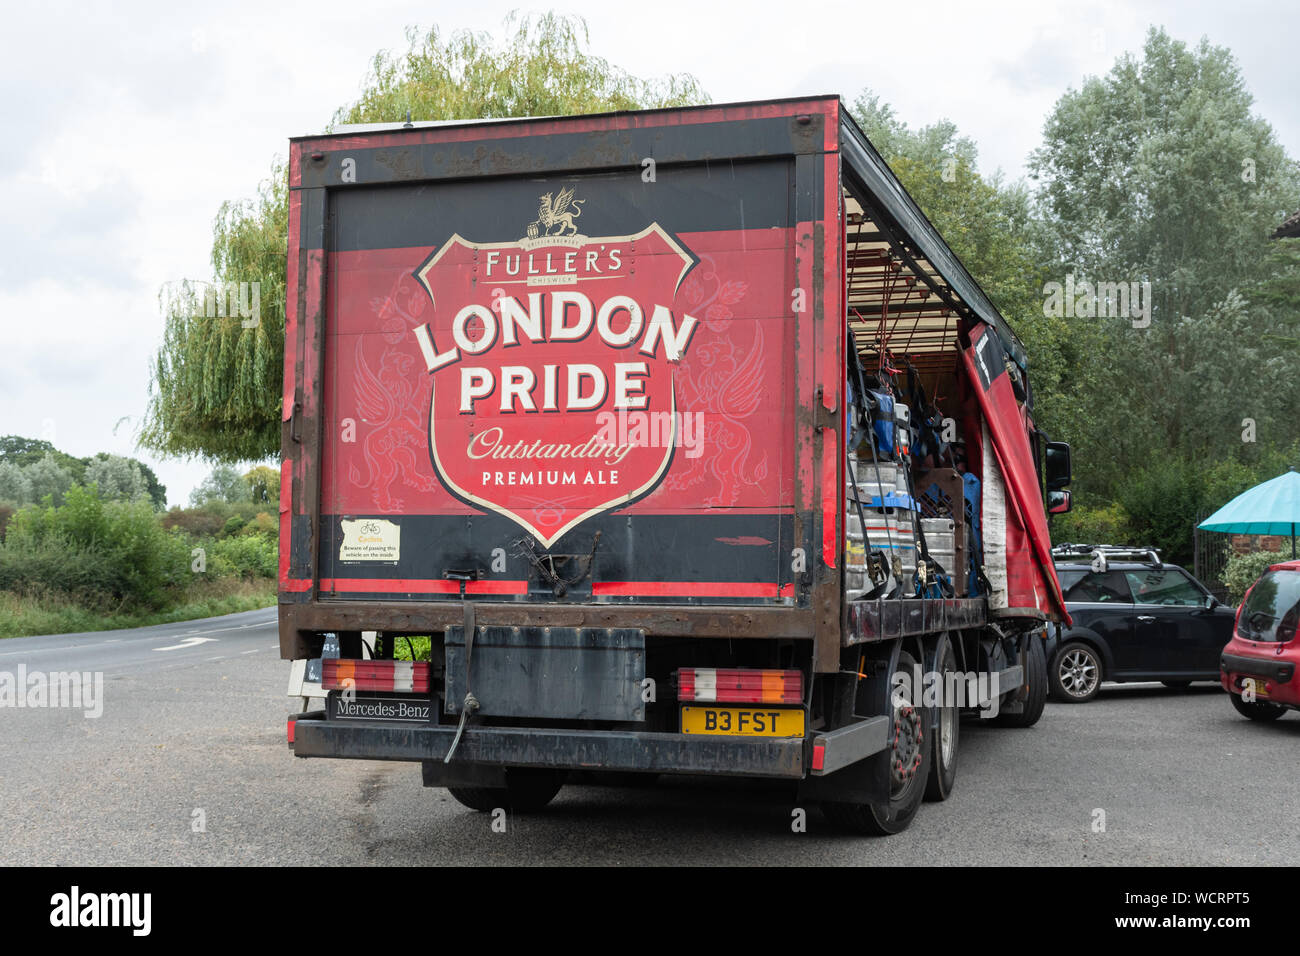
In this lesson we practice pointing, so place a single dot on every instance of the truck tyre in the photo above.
(1076, 673)
(526, 790)
(1256, 709)
(1036, 678)
(945, 739)
(909, 767)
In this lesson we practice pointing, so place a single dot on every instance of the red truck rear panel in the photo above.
(587, 377)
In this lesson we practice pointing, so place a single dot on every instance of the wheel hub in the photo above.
(907, 752)
(1078, 673)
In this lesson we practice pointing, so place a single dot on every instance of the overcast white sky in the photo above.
(125, 126)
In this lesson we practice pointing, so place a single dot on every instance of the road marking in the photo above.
(186, 642)
(216, 658)
(253, 651)
(61, 647)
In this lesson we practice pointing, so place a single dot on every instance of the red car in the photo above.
(1258, 666)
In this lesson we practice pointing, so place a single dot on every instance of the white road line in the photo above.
(216, 658)
(187, 642)
(253, 651)
(63, 647)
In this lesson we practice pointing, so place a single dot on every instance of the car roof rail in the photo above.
(1101, 554)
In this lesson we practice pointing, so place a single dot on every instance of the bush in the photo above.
(88, 546)
(1104, 524)
(246, 557)
(263, 524)
(209, 520)
(232, 526)
(1243, 570)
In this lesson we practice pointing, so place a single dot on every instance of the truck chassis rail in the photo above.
(882, 620)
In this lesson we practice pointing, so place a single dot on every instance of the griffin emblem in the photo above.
(555, 215)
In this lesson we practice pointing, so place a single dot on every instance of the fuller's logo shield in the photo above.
(540, 351)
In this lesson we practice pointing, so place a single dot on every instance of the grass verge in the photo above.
(52, 613)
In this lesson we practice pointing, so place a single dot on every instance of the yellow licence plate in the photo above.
(743, 721)
(1261, 685)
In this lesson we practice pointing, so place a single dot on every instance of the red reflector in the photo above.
(291, 725)
(819, 756)
(398, 676)
(733, 685)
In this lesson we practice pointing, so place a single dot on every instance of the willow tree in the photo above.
(215, 387)
(216, 379)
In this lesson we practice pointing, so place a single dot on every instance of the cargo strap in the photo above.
(470, 704)
(868, 404)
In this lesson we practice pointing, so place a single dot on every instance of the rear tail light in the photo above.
(725, 685)
(407, 677)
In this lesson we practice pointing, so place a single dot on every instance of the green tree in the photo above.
(216, 380)
(22, 452)
(48, 477)
(118, 478)
(264, 485)
(216, 385)
(15, 487)
(225, 484)
(1160, 172)
(28, 451)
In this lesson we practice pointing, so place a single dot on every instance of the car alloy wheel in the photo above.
(1078, 672)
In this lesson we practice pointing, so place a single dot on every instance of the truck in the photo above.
(673, 441)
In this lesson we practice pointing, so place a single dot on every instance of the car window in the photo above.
(1102, 588)
(1164, 586)
(1070, 578)
(1272, 609)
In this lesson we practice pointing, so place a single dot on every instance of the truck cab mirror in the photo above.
(1057, 466)
(1058, 502)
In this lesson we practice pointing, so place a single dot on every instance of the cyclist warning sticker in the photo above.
(370, 539)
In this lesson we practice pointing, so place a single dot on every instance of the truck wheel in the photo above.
(908, 771)
(1257, 709)
(1036, 678)
(943, 762)
(526, 790)
(1076, 673)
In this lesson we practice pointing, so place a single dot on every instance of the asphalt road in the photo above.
(1182, 779)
